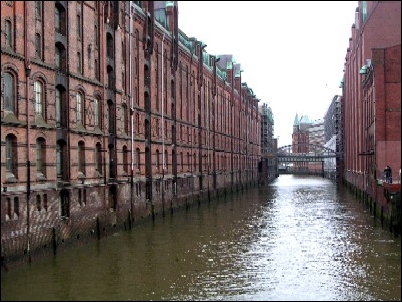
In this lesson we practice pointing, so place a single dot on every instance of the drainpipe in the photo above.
(27, 74)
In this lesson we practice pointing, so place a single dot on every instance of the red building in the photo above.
(371, 103)
(110, 114)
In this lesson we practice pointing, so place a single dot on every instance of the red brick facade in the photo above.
(91, 115)
(371, 103)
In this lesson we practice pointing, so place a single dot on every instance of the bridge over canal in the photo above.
(305, 159)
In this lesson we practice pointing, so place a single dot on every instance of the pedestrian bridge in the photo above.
(299, 159)
(305, 153)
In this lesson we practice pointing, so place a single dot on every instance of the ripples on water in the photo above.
(299, 239)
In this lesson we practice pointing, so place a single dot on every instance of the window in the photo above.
(60, 19)
(96, 113)
(40, 157)
(137, 158)
(79, 108)
(79, 62)
(125, 159)
(57, 19)
(11, 157)
(38, 89)
(157, 160)
(58, 57)
(364, 13)
(79, 27)
(166, 161)
(58, 107)
(8, 34)
(8, 88)
(38, 46)
(81, 157)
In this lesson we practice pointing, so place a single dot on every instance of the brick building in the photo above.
(111, 114)
(268, 167)
(371, 102)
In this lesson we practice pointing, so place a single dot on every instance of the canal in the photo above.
(300, 238)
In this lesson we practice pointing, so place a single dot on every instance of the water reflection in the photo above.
(300, 239)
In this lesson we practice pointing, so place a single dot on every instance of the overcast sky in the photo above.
(292, 53)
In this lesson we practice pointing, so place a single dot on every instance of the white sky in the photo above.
(292, 53)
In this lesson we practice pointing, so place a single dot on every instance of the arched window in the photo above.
(80, 108)
(9, 93)
(57, 19)
(39, 98)
(60, 57)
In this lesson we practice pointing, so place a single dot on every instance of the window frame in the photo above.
(9, 90)
(39, 98)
